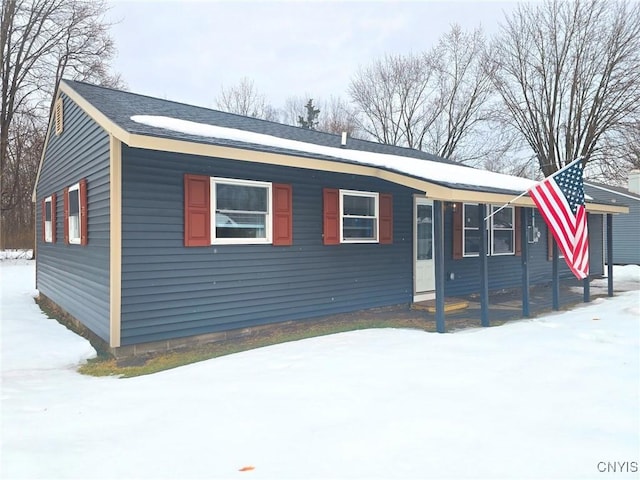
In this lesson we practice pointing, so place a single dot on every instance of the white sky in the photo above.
(185, 51)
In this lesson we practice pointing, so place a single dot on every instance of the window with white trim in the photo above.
(359, 214)
(500, 230)
(240, 211)
(471, 229)
(74, 214)
(48, 219)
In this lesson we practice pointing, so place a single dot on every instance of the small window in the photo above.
(358, 216)
(74, 214)
(424, 232)
(502, 231)
(241, 211)
(471, 229)
(48, 220)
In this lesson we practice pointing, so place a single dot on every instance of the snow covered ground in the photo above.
(552, 397)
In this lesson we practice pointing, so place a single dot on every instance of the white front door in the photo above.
(423, 248)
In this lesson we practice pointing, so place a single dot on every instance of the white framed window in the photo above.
(359, 216)
(74, 214)
(471, 229)
(48, 219)
(500, 230)
(241, 211)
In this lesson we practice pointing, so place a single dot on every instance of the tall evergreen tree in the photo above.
(311, 120)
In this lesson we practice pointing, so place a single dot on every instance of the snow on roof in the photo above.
(424, 169)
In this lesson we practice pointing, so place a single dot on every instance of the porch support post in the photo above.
(609, 255)
(484, 271)
(525, 261)
(586, 292)
(586, 295)
(555, 280)
(438, 249)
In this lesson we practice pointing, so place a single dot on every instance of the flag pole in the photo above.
(527, 191)
(506, 205)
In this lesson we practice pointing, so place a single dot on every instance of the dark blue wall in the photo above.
(505, 271)
(626, 227)
(596, 244)
(169, 290)
(77, 277)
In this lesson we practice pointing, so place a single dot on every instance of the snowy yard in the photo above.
(552, 397)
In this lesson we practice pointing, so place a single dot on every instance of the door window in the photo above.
(424, 222)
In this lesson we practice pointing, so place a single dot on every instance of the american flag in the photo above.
(560, 199)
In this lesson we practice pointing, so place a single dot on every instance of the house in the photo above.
(160, 223)
(626, 228)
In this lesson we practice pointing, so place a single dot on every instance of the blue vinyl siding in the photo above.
(596, 244)
(626, 232)
(626, 227)
(169, 290)
(505, 271)
(73, 276)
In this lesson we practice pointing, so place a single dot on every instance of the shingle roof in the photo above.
(119, 106)
(621, 190)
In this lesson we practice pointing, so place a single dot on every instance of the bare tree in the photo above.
(464, 90)
(393, 100)
(40, 41)
(568, 75)
(244, 99)
(622, 150)
(293, 108)
(436, 101)
(337, 116)
(21, 165)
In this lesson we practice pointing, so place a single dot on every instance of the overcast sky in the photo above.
(186, 51)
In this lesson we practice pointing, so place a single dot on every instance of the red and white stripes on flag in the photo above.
(560, 199)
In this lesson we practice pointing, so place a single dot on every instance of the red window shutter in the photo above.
(197, 211)
(331, 216)
(84, 217)
(53, 218)
(517, 212)
(457, 231)
(44, 220)
(66, 215)
(550, 241)
(386, 218)
(282, 214)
